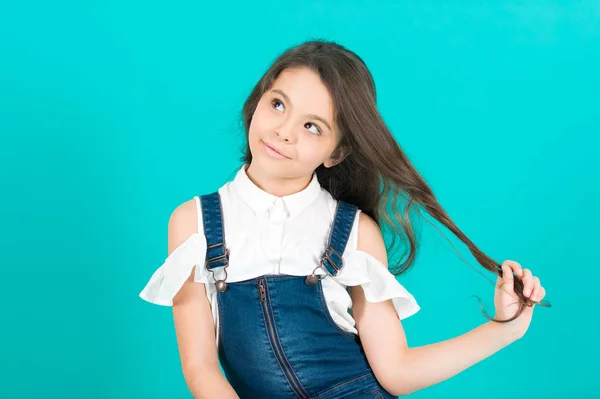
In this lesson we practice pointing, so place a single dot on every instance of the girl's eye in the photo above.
(274, 103)
(316, 127)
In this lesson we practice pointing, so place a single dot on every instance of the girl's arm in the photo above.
(423, 366)
(402, 370)
(194, 325)
(196, 341)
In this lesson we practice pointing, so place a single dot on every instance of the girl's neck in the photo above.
(277, 186)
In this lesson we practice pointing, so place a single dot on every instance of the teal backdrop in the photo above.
(114, 112)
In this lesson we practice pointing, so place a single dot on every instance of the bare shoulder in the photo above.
(370, 239)
(183, 223)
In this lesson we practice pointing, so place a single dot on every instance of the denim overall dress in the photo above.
(277, 337)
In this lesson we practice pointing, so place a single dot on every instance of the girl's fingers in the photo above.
(507, 280)
(536, 290)
(541, 293)
(532, 286)
(515, 267)
(528, 282)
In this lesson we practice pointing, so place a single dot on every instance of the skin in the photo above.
(308, 143)
(286, 125)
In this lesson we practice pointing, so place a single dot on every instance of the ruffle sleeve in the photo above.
(168, 279)
(377, 282)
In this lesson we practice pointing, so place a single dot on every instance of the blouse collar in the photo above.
(260, 200)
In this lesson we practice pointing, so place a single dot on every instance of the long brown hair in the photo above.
(375, 174)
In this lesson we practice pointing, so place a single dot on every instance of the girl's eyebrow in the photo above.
(313, 116)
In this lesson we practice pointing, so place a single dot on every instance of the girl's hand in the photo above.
(506, 301)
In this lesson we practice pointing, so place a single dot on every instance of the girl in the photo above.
(295, 297)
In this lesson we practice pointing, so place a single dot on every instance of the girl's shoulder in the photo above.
(186, 248)
(183, 220)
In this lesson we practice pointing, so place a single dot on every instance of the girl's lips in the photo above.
(273, 152)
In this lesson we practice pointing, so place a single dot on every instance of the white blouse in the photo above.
(271, 235)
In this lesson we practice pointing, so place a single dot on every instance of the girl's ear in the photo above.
(338, 155)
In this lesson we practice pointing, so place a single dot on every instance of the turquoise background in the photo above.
(114, 112)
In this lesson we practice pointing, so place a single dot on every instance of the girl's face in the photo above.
(295, 117)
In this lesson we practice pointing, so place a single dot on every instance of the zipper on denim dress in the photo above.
(287, 369)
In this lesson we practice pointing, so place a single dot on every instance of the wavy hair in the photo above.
(375, 174)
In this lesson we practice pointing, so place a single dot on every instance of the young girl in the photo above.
(295, 297)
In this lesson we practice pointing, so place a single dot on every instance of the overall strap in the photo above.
(338, 238)
(217, 254)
